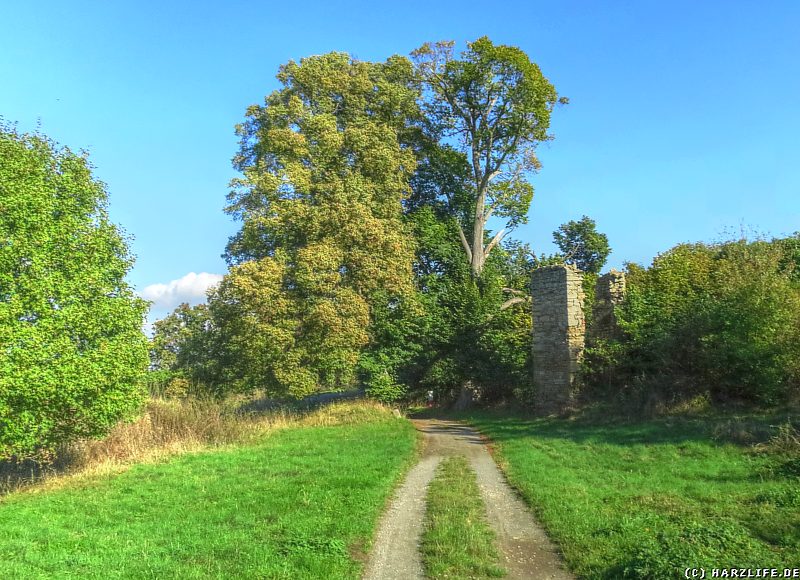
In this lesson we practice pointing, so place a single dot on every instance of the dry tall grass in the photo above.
(171, 427)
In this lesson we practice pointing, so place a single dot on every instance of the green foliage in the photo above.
(349, 266)
(156, 381)
(722, 319)
(495, 104)
(323, 246)
(461, 335)
(604, 369)
(385, 366)
(382, 387)
(791, 255)
(582, 245)
(72, 352)
(186, 346)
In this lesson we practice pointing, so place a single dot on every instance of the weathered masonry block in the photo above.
(559, 329)
(609, 293)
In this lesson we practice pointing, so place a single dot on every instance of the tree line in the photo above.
(376, 202)
(719, 322)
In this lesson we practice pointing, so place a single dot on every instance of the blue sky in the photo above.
(683, 122)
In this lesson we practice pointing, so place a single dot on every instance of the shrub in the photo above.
(720, 319)
(786, 440)
(383, 388)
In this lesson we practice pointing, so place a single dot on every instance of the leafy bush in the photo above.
(720, 319)
(72, 352)
(382, 387)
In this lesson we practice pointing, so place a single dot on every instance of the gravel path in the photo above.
(526, 551)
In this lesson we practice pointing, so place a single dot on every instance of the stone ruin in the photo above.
(559, 330)
(609, 293)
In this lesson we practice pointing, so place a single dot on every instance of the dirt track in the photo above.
(526, 551)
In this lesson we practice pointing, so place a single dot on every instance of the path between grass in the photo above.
(526, 550)
(457, 543)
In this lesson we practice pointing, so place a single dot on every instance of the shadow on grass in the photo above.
(70, 458)
(15, 475)
(596, 427)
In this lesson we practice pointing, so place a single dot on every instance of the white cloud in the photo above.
(191, 288)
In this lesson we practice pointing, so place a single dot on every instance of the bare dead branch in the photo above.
(489, 211)
(464, 243)
(512, 301)
(495, 240)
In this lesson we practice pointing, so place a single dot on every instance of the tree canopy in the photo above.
(582, 245)
(72, 351)
(326, 163)
(488, 110)
(358, 181)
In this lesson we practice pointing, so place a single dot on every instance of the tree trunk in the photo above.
(468, 396)
(477, 235)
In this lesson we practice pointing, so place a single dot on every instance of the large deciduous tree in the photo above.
(358, 182)
(465, 338)
(489, 109)
(326, 163)
(72, 351)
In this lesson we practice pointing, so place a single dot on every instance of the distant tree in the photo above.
(326, 164)
(186, 343)
(72, 351)
(488, 111)
(582, 245)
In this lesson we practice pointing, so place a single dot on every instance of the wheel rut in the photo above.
(526, 552)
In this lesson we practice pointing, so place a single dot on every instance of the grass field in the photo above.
(302, 503)
(648, 499)
(457, 542)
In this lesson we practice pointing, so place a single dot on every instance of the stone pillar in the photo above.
(609, 293)
(559, 327)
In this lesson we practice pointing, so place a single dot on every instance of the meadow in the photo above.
(300, 500)
(648, 498)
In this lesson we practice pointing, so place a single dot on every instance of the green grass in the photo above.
(457, 541)
(648, 499)
(303, 503)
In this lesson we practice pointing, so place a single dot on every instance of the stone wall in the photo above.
(609, 293)
(559, 328)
